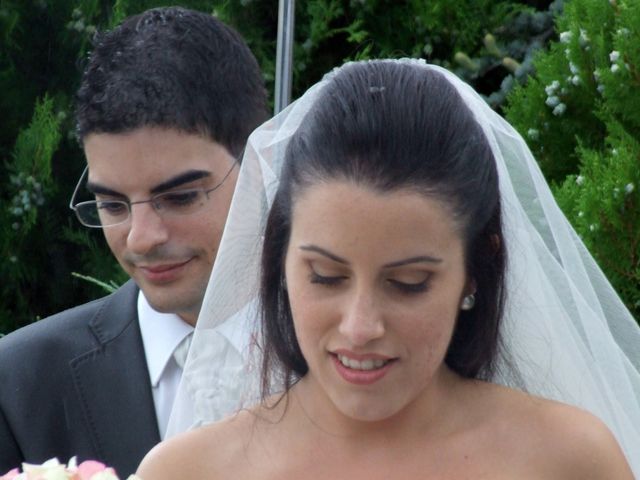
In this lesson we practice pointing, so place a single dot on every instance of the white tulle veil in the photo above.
(566, 330)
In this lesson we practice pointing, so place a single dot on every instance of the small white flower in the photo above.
(104, 475)
(584, 38)
(552, 87)
(623, 31)
(565, 37)
(573, 68)
(614, 152)
(628, 188)
(580, 214)
(593, 227)
(575, 80)
(600, 88)
(552, 101)
(579, 179)
(614, 56)
(559, 109)
(615, 67)
(533, 133)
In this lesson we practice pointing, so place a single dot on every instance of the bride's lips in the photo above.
(361, 369)
(162, 273)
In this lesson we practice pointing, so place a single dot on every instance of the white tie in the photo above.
(182, 350)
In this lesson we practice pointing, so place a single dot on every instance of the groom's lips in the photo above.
(162, 273)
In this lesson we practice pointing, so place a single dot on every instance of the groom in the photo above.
(164, 109)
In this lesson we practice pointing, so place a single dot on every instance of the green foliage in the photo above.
(110, 287)
(603, 202)
(581, 116)
(50, 258)
(330, 32)
(29, 171)
(505, 55)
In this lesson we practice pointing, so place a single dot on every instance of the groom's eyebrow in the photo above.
(178, 180)
(181, 179)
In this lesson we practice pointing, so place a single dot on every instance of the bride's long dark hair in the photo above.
(392, 126)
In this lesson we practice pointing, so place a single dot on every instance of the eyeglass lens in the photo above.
(102, 213)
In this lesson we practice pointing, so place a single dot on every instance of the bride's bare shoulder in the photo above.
(569, 441)
(205, 452)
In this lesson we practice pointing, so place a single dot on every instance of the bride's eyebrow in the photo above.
(410, 260)
(397, 263)
(326, 253)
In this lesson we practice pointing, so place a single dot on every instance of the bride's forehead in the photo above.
(365, 193)
(344, 201)
(362, 224)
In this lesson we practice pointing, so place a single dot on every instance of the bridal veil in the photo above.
(566, 333)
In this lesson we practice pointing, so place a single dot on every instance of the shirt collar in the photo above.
(161, 334)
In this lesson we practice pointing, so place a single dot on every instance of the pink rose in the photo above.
(89, 468)
(10, 474)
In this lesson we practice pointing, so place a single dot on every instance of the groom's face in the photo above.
(169, 256)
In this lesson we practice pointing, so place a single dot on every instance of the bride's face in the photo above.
(375, 282)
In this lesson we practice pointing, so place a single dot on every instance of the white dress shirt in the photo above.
(161, 334)
(222, 374)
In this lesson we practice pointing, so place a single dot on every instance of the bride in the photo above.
(426, 310)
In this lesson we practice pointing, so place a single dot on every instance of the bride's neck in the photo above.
(430, 414)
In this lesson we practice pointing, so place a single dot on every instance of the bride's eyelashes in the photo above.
(325, 280)
(402, 287)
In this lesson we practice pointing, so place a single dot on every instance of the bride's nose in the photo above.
(362, 319)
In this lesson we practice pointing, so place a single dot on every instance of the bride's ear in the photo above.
(470, 288)
(496, 243)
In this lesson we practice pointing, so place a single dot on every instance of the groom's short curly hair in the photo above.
(175, 68)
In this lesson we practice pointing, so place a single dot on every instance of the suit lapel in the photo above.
(112, 382)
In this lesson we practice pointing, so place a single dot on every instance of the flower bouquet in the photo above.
(54, 470)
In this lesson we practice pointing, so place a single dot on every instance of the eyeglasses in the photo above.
(109, 213)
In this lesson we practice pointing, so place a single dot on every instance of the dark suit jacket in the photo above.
(77, 383)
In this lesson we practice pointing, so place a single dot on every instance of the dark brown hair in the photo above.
(392, 126)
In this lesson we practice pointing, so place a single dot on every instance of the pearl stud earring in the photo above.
(468, 302)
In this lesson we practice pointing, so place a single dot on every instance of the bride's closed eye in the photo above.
(401, 286)
(410, 287)
(315, 277)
